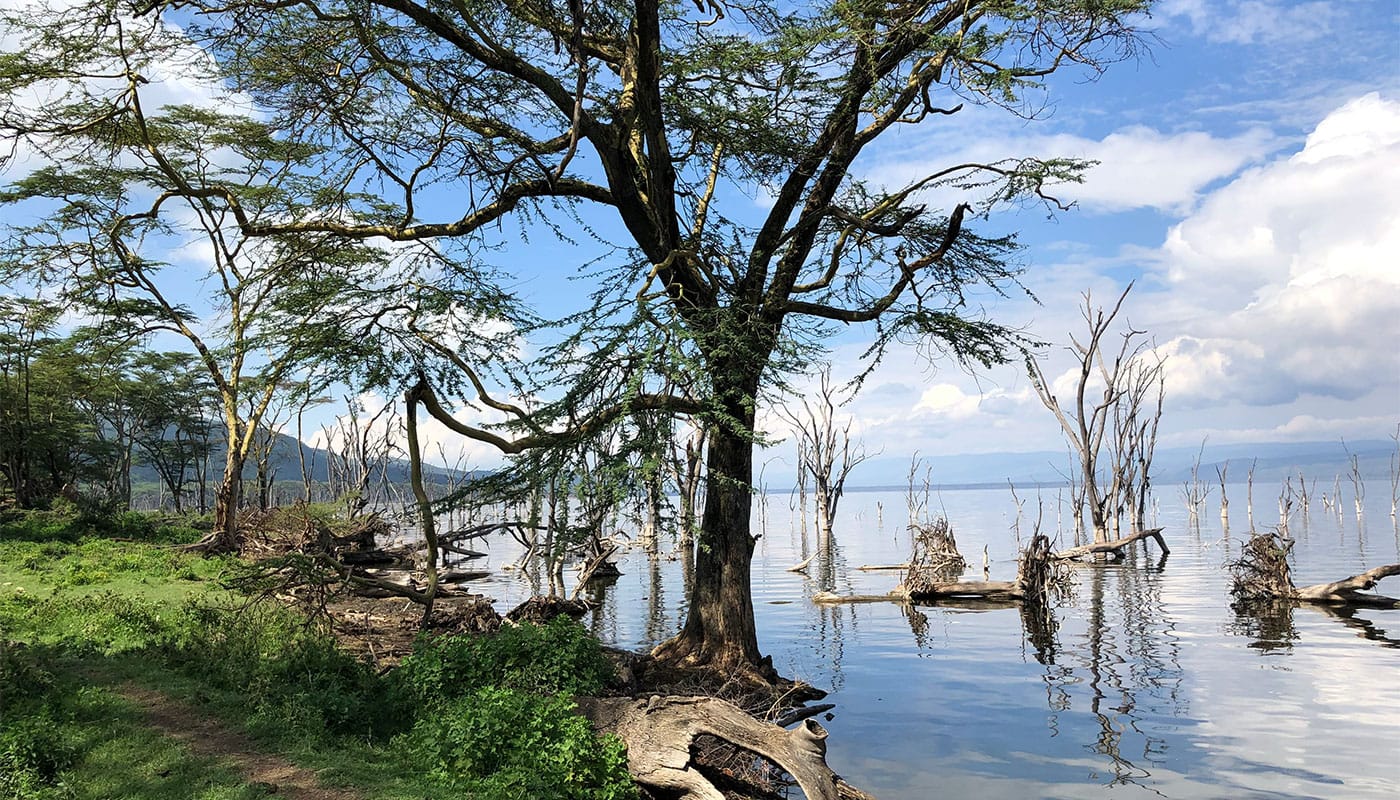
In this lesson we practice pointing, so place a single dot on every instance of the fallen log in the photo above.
(1035, 577)
(1115, 547)
(805, 563)
(660, 733)
(882, 567)
(1262, 573)
(1350, 590)
(462, 575)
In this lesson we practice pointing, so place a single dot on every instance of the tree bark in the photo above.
(719, 632)
(1349, 590)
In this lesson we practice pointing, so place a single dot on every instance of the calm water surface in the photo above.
(1148, 685)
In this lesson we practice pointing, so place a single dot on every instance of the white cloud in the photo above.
(1250, 21)
(1285, 282)
(947, 400)
(1276, 297)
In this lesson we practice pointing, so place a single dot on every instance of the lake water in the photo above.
(1149, 686)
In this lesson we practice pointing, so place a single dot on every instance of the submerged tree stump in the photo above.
(1262, 573)
(660, 733)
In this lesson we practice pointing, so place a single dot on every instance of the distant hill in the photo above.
(286, 465)
(1273, 461)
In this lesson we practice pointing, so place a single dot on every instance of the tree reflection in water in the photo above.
(1131, 656)
(1270, 624)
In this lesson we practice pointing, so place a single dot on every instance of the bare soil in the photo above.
(208, 737)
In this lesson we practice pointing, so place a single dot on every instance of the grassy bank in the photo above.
(90, 608)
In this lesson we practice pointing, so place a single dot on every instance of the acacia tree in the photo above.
(661, 122)
(121, 192)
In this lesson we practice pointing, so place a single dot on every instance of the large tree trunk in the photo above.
(719, 632)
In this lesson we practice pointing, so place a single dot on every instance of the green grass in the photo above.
(64, 738)
(97, 603)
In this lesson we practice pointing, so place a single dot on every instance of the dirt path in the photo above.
(209, 738)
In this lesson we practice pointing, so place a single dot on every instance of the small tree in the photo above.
(823, 451)
(1113, 435)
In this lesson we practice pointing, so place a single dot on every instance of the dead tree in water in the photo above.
(1220, 472)
(1114, 435)
(1195, 491)
(824, 451)
(1262, 573)
(1395, 473)
(934, 556)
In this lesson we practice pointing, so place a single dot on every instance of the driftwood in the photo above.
(1262, 573)
(462, 575)
(1114, 547)
(805, 563)
(660, 734)
(1035, 577)
(1349, 590)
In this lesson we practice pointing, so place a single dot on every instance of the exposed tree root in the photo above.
(661, 732)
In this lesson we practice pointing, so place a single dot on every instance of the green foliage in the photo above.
(294, 680)
(503, 743)
(557, 658)
(35, 746)
(495, 720)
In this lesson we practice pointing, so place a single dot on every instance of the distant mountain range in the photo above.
(1272, 462)
(286, 465)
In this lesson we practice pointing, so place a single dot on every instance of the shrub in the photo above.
(503, 743)
(35, 743)
(294, 680)
(558, 658)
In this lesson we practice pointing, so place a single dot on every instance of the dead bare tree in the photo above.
(1114, 434)
(824, 451)
(1196, 491)
(1220, 473)
(1249, 497)
(1358, 486)
(1395, 473)
(360, 449)
(692, 484)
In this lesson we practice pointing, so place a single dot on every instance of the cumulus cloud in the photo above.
(1284, 283)
(1275, 297)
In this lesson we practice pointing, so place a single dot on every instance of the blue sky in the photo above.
(1249, 182)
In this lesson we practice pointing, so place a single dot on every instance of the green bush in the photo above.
(35, 742)
(557, 658)
(293, 678)
(506, 744)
